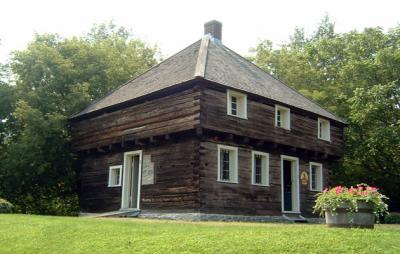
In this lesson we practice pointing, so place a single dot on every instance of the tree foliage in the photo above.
(355, 75)
(55, 77)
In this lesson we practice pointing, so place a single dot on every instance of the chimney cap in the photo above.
(213, 28)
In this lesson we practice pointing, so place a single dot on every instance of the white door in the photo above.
(131, 180)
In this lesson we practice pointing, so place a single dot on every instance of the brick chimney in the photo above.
(213, 28)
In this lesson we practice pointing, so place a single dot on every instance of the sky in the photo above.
(174, 24)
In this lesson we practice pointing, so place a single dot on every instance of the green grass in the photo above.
(45, 234)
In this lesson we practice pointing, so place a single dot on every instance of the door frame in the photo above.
(127, 167)
(296, 194)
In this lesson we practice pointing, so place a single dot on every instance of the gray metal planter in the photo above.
(363, 218)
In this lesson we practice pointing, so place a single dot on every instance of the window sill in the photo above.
(260, 185)
(314, 190)
(326, 140)
(283, 128)
(222, 181)
(241, 117)
(114, 185)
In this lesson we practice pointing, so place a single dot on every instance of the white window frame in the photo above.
(233, 168)
(284, 119)
(110, 169)
(328, 131)
(319, 178)
(241, 105)
(253, 180)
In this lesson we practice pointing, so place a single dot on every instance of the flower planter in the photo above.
(342, 217)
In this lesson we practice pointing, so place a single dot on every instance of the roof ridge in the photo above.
(280, 81)
(202, 57)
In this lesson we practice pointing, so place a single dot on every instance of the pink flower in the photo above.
(372, 189)
(352, 190)
(325, 190)
(339, 189)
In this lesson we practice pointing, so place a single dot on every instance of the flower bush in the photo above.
(330, 199)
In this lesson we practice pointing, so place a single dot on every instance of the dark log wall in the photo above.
(186, 168)
(94, 194)
(171, 113)
(261, 124)
(243, 197)
(176, 178)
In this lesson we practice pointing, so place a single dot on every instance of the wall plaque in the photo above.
(148, 170)
(304, 178)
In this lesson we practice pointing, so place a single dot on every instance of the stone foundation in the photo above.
(217, 217)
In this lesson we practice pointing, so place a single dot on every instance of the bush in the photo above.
(392, 218)
(5, 206)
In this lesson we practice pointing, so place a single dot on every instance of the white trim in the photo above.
(124, 202)
(229, 94)
(326, 121)
(109, 176)
(236, 165)
(296, 208)
(253, 153)
(286, 120)
(320, 177)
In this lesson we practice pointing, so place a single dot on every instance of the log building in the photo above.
(205, 131)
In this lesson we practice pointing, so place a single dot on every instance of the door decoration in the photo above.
(304, 178)
(148, 170)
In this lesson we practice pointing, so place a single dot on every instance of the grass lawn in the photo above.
(45, 234)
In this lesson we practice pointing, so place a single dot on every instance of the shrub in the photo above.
(392, 218)
(5, 206)
(330, 199)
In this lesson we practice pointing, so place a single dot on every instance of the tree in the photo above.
(56, 77)
(355, 75)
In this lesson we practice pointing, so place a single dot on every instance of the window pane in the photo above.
(233, 105)
(320, 129)
(313, 177)
(116, 181)
(224, 165)
(258, 169)
(278, 118)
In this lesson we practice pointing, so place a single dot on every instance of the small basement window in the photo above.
(260, 168)
(282, 117)
(227, 164)
(114, 176)
(237, 104)
(315, 176)
(324, 129)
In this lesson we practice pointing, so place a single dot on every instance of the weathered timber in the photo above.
(172, 113)
(261, 124)
(176, 180)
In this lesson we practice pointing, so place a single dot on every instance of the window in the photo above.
(315, 176)
(114, 176)
(227, 164)
(282, 117)
(237, 104)
(324, 129)
(260, 168)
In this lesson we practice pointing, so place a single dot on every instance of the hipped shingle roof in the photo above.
(210, 60)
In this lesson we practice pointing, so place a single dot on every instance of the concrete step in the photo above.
(294, 217)
(132, 212)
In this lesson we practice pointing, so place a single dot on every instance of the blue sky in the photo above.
(174, 24)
